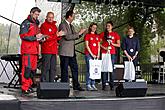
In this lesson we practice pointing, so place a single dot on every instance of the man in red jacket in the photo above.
(30, 35)
(49, 48)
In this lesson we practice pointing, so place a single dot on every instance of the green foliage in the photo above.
(145, 47)
(159, 18)
(88, 12)
(139, 18)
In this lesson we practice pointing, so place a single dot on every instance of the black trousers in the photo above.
(66, 61)
(48, 69)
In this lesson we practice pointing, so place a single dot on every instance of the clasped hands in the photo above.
(131, 58)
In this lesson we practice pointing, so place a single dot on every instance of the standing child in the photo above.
(92, 51)
(131, 46)
(110, 41)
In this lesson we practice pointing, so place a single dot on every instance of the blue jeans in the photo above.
(104, 75)
(88, 80)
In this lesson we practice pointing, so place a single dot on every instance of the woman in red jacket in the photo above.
(49, 48)
(110, 40)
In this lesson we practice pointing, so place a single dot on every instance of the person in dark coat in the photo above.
(131, 46)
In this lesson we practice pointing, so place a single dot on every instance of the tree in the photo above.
(88, 12)
(140, 18)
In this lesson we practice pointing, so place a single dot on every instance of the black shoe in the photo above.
(31, 90)
(79, 89)
(25, 92)
(111, 88)
(103, 87)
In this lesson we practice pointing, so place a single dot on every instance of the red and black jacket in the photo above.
(28, 31)
(50, 46)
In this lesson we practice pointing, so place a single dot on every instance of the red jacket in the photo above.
(50, 46)
(28, 30)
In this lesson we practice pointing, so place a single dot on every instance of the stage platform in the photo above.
(87, 100)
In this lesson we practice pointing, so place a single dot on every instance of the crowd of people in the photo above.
(61, 41)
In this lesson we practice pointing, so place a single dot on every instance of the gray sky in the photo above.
(22, 9)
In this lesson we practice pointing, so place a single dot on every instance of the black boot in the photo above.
(103, 87)
(111, 87)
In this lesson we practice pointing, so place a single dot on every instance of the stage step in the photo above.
(9, 102)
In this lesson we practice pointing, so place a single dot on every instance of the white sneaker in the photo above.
(89, 88)
(94, 87)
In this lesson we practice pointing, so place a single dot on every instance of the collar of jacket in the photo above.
(33, 20)
(51, 23)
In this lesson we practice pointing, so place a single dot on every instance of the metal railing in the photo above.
(81, 72)
(147, 72)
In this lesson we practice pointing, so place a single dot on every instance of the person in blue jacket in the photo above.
(131, 46)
